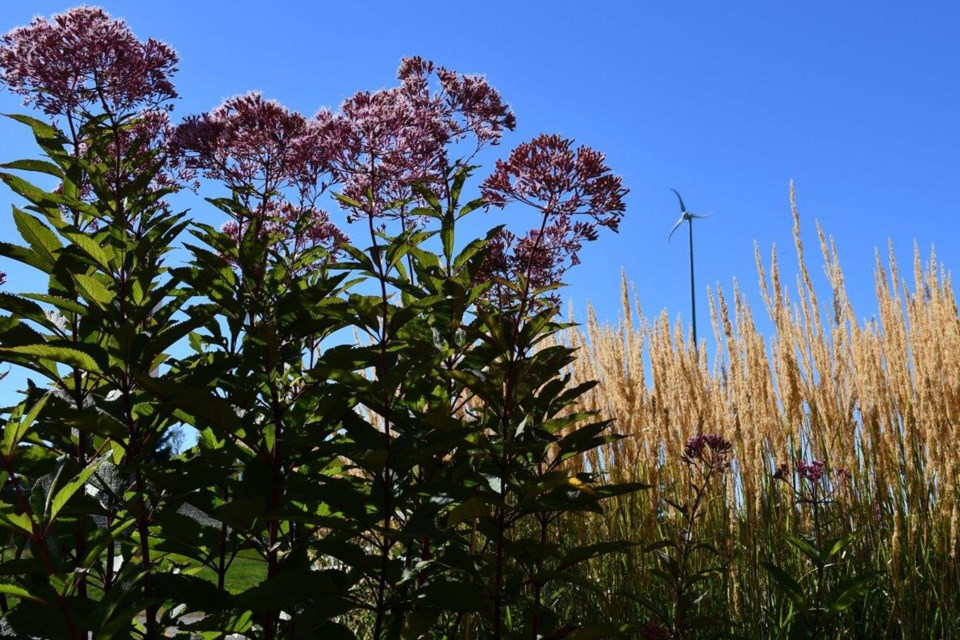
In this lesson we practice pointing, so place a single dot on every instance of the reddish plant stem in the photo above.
(386, 479)
(38, 536)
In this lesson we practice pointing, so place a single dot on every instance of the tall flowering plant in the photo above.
(87, 496)
(267, 274)
(824, 590)
(403, 485)
(686, 560)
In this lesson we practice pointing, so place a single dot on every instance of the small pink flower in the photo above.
(82, 64)
(290, 229)
(562, 184)
(542, 257)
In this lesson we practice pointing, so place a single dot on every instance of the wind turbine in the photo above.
(686, 216)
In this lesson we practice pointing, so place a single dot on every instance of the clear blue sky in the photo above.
(857, 102)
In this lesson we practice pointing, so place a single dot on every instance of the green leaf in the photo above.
(26, 309)
(61, 303)
(661, 544)
(597, 632)
(581, 554)
(40, 238)
(241, 513)
(91, 248)
(460, 597)
(849, 591)
(349, 202)
(198, 594)
(38, 166)
(319, 588)
(417, 624)
(64, 355)
(196, 406)
(19, 522)
(63, 494)
(41, 130)
(469, 509)
(839, 545)
(93, 290)
(15, 429)
(19, 592)
(26, 255)
(806, 548)
(792, 588)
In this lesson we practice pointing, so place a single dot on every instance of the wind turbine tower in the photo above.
(686, 216)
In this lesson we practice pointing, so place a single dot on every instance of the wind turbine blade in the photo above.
(683, 207)
(675, 227)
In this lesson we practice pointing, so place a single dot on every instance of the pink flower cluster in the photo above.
(383, 143)
(82, 62)
(376, 147)
(254, 146)
(83, 66)
(812, 471)
(549, 175)
(273, 159)
(710, 449)
(297, 229)
(542, 256)
(562, 183)
(149, 134)
(381, 149)
(653, 631)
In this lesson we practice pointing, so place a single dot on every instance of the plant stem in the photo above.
(386, 478)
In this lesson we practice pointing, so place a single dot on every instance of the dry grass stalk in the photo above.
(878, 397)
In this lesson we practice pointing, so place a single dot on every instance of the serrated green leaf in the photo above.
(19, 522)
(93, 290)
(469, 509)
(64, 355)
(38, 166)
(598, 632)
(195, 405)
(849, 591)
(38, 235)
(91, 248)
(581, 554)
(806, 548)
(41, 130)
(26, 255)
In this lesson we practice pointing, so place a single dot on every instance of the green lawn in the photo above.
(245, 572)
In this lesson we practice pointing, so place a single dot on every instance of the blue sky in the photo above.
(857, 102)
